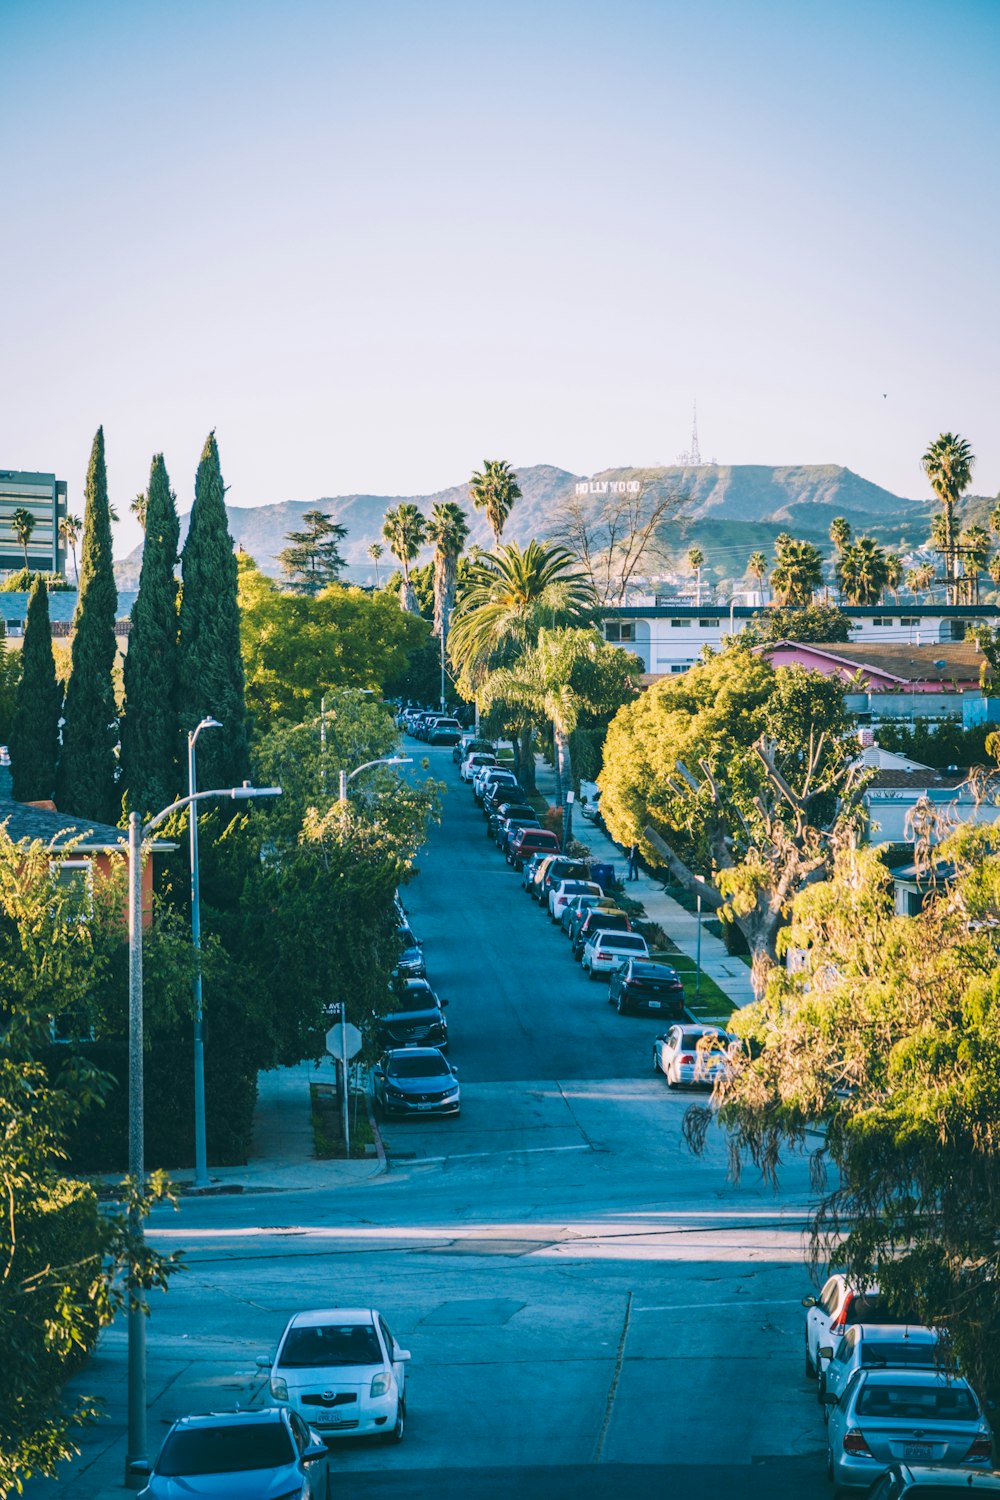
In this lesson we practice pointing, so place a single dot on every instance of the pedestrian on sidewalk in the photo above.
(632, 858)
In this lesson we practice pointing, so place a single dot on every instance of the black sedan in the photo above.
(641, 985)
(416, 1081)
(419, 1021)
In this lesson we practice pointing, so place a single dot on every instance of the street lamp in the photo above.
(137, 835)
(200, 1144)
(392, 760)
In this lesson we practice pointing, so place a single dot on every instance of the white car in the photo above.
(563, 892)
(343, 1372)
(490, 776)
(880, 1346)
(475, 762)
(839, 1306)
(689, 1055)
(606, 950)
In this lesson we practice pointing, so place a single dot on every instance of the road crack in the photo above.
(613, 1389)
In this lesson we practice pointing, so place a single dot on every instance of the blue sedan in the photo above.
(257, 1455)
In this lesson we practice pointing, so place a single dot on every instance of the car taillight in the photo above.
(602, 955)
(854, 1442)
(981, 1448)
(686, 1058)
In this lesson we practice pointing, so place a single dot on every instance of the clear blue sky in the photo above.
(372, 242)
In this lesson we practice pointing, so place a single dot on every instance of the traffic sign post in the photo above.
(343, 1041)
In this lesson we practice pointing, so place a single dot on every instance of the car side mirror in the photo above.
(377, 1071)
(402, 1355)
(263, 1362)
(826, 1352)
(830, 1399)
(454, 1070)
(140, 1466)
(808, 1301)
(315, 1451)
(443, 1004)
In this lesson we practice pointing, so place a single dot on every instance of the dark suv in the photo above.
(556, 870)
(599, 921)
(641, 985)
(419, 1021)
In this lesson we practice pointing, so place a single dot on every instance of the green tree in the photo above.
(85, 784)
(375, 551)
(138, 508)
(893, 573)
(813, 622)
(151, 744)
(948, 464)
(404, 528)
(11, 662)
(974, 547)
(313, 560)
(297, 649)
(885, 1050)
(210, 673)
(797, 572)
(448, 530)
(22, 524)
(70, 531)
(34, 734)
(757, 567)
(494, 489)
(919, 579)
(840, 532)
(738, 767)
(696, 561)
(862, 571)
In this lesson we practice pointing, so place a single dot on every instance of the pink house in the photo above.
(943, 667)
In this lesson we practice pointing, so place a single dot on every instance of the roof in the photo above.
(318, 1317)
(684, 609)
(898, 659)
(57, 829)
(917, 780)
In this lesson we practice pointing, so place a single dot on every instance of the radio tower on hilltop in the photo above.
(692, 459)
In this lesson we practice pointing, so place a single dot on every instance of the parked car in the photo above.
(692, 1056)
(919, 1416)
(410, 963)
(531, 841)
(341, 1369)
(253, 1454)
(561, 893)
(504, 810)
(931, 1482)
(504, 791)
(606, 948)
(876, 1346)
(489, 776)
(639, 985)
(475, 761)
(839, 1306)
(419, 1021)
(576, 912)
(598, 919)
(512, 826)
(416, 1081)
(530, 868)
(444, 731)
(560, 868)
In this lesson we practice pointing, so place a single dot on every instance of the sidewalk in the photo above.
(731, 974)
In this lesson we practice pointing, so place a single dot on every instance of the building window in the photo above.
(680, 666)
(882, 620)
(75, 877)
(619, 630)
(908, 620)
(72, 1025)
(677, 624)
(707, 624)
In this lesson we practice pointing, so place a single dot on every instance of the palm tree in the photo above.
(494, 490)
(840, 532)
(994, 567)
(696, 561)
(921, 578)
(509, 597)
(375, 552)
(757, 567)
(861, 571)
(797, 572)
(948, 464)
(403, 529)
(974, 549)
(22, 524)
(138, 508)
(448, 529)
(893, 573)
(70, 531)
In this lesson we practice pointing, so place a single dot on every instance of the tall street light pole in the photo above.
(200, 1142)
(137, 835)
(392, 760)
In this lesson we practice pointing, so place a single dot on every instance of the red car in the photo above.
(529, 841)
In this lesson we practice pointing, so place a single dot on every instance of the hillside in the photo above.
(731, 510)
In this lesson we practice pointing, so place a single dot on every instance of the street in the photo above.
(587, 1304)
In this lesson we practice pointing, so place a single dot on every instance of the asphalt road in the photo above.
(587, 1305)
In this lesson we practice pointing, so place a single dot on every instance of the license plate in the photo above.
(917, 1450)
(655, 1004)
(425, 1106)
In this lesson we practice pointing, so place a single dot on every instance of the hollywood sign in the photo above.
(608, 487)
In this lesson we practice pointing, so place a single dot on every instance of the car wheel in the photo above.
(810, 1367)
(396, 1435)
(594, 974)
(619, 1007)
(670, 1082)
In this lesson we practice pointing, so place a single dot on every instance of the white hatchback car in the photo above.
(343, 1372)
(839, 1306)
(606, 950)
(475, 762)
(881, 1346)
(690, 1055)
(563, 892)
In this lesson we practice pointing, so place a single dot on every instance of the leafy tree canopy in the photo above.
(312, 560)
(811, 622)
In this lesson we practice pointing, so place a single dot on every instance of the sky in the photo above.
(372, 242)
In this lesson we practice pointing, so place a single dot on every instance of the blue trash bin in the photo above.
(604, 875)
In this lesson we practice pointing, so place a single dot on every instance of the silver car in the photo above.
(690, 1055)
(870, 1346)
(910, 1416)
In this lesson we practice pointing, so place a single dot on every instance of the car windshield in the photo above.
(330, 1344)
(576, 888)
(930, 1403)
(692, 1039)
(652, 984)
(898, 1354)
(417, 1067)
(232, 1449)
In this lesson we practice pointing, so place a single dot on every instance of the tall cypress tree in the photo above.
(85, 784)
(150, 732)
(211, 667)
(34, 734)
